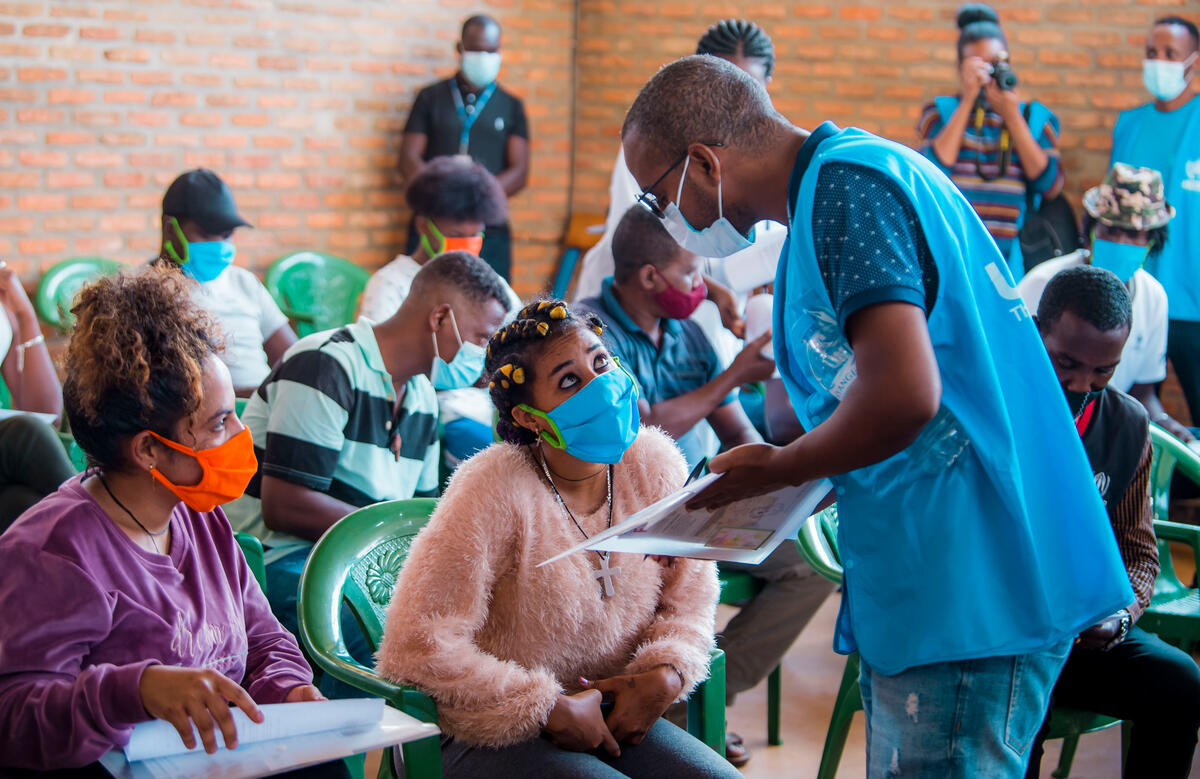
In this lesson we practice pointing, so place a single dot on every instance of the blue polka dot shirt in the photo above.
(870, 247)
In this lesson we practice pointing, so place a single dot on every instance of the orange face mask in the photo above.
(227, 469)
(470, 243)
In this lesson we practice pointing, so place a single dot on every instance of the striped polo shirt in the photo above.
(998, 196)
(326, 418)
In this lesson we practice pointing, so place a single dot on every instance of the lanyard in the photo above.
(468, 114)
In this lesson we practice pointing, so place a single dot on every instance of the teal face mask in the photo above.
(461, 372)
(599, 422)
(202, 260)
(1123, 259)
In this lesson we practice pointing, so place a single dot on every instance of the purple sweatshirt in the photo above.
(86, 610)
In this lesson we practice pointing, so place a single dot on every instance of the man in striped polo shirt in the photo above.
(350, 418)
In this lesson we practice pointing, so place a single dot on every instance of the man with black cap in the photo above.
(198, 220)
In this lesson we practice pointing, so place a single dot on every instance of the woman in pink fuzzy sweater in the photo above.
(518, 657)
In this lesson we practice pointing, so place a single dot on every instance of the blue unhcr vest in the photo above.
(986, 536)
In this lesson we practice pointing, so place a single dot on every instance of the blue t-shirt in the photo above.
(684, 361)
(1170, 143)
(1157, 139)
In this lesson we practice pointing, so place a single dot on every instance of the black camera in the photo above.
(1002, 74)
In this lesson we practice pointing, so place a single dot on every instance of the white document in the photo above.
(157, 738)
(743, 532)
(8, 413)
(273, 756)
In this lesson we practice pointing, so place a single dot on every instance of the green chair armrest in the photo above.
(706, 705)
(1180, 533)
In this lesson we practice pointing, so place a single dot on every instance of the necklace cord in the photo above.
(567, 509)
(135, 519)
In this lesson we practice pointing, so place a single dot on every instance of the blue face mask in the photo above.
(599, 422)
(1123, 259)
(461, 372)
(208, 259)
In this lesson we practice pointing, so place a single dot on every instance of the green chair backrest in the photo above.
(357, 560)
(317, 291)
(1170, 454)
(62, 282)
(252, 548)
(817, 542)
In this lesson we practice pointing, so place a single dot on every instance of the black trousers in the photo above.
(33, 463)
(1183, 349)
(1143, 680)
(496, 251)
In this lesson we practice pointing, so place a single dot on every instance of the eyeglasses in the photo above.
(647, 198)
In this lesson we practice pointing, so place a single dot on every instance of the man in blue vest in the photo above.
(1164, 135)
(974, 543)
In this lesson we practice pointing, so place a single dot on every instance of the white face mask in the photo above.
(1164, 79)
(720, 239)
(480, 67)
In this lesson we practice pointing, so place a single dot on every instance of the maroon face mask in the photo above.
(676, 304)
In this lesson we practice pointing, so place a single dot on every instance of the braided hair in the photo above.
(738, 36)
(512, 352)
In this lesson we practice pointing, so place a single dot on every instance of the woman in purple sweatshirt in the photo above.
(125, 596)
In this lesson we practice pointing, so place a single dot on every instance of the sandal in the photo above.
(735, 751)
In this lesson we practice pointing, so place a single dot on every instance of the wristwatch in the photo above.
(1126, 623)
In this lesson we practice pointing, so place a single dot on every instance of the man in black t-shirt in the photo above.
(470, 113)
(1115, 667)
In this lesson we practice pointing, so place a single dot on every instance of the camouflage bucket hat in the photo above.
(1129, 199)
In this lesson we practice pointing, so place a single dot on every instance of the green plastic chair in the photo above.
(358, 560)
(738, 587)
(74, 453)
(817, 542)
(252, 548)
(317, 291)
(1174, 610)
(59, 285)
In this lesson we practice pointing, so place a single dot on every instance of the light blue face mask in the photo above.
(206, 260)
(202, 260)
(461, 372)
(720, 239)
(599, 422)
(1123, 259)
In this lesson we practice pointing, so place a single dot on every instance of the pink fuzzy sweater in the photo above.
(495, 639)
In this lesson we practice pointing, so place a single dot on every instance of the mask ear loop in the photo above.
(682, 177)
(556, 440)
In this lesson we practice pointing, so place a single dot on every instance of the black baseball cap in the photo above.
(201, 196)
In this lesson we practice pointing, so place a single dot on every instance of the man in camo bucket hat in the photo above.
(1125, 225)
(1130, 199)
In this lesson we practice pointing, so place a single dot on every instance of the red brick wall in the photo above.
(298, 105)
(874, 65)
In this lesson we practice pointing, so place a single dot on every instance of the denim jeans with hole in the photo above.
(972, 718)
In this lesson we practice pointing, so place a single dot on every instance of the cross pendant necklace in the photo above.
(606, 573)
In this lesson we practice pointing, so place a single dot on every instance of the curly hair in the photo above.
(135, 360)
(457, 187)
(512, 354)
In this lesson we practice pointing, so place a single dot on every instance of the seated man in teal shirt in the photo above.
(1164, 135)
(928, 400)
(646, 304)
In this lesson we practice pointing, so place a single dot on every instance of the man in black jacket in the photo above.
(1117, 668)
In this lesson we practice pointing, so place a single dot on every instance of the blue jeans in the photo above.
(283, 592)
(973, 718)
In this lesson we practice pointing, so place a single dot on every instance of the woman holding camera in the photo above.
(986, 140)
